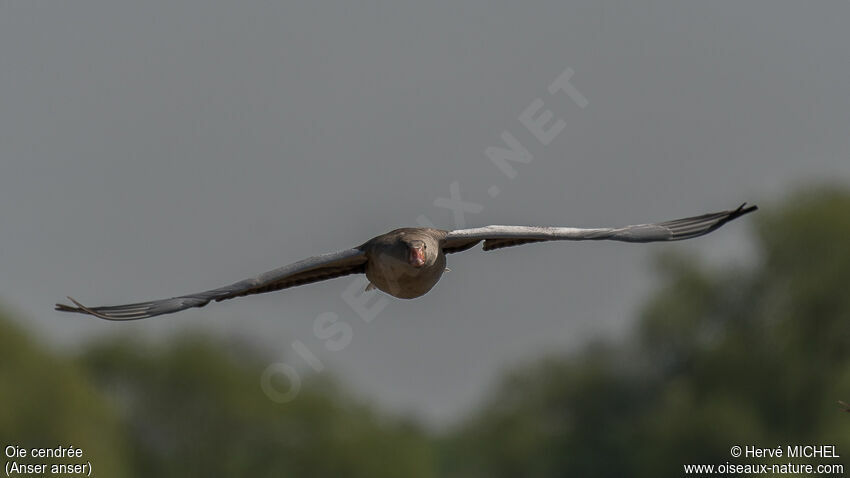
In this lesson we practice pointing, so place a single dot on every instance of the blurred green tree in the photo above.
(752, 354)
(47, 401)
(195, 408)
(192, 407)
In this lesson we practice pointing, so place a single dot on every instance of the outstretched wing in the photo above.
(314, 269)
(496, 237)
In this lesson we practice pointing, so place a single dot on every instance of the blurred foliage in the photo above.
(748, 354)
(46, 402)
(192, 409)
(753, 354)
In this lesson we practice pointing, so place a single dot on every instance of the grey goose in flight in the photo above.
(406, 263)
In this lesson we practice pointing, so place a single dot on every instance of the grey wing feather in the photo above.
(314, 269)
(496, 237)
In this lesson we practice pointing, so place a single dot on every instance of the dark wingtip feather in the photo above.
(740, 211)
(696, 226)
(743, 209)
(81, 309)
(89, 311)
(68, 308)
(65, 308)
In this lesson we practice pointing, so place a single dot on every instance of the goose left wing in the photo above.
(496, 237)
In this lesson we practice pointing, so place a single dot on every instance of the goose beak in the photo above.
(416, 257)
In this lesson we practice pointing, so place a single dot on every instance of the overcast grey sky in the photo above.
(149, 149)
